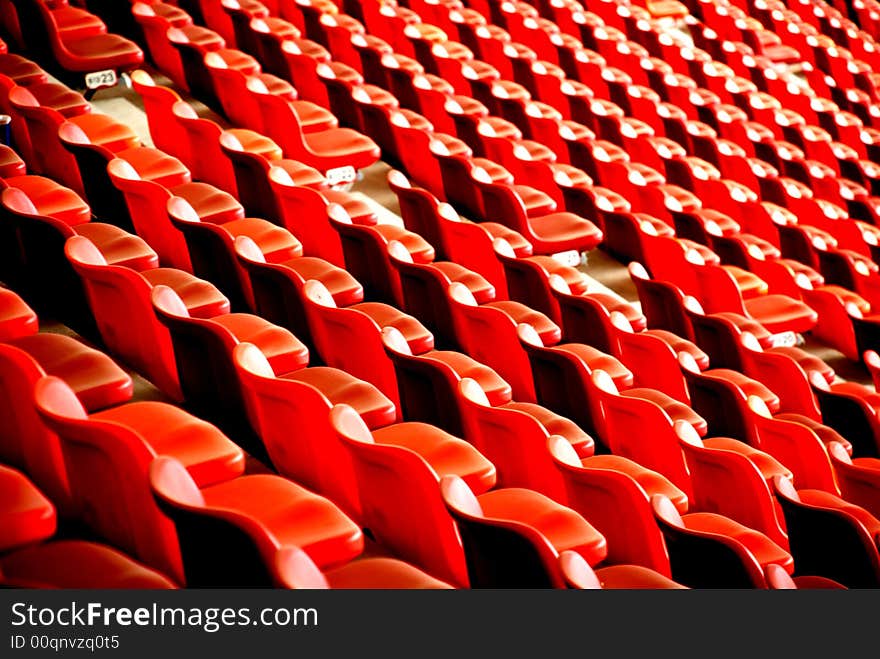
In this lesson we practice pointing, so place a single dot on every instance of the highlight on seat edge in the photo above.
(472, 294)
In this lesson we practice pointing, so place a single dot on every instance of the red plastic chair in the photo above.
(626, 420)
(514, 437)
(857, 477)
(302, 400)
(733, 479)
(350, 338)
(147, 206)
(256, 515)
(510, 540)
(613, 493)
(107, 455)
(707, 550)
(120, 301)
(830, 537)
(398, 469)
(75, 53)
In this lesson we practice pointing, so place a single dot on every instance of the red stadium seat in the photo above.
(257, 515)
(115, 503)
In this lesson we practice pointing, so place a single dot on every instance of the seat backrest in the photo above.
(661, 302)
(107, 465)
(418, 209)
(120, 301)
(401, 501)
(850, 415)
(628, 418)
(827, 541)
(583, 319)
(203, 355)
(701, 559)
(499, 553)
(292, 419)
(42, 126)
(514, 441)
(211, 252)
(165, 131)
(25, 441)
(251, 172)
(349, 340)
(614, 503)
(366, 258)
(470, 245)
(727, 482)
(206, 161)
(248, 549)
(858, 482)
(652, 360)
(304, 212)
(489, 335)
(794, 445)
(718, 400)
(282, 125)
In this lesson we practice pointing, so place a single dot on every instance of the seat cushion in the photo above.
(497, 390)
(52, 199)
(340, 387)
(749, 386)
(574, 278)
(292, 514)
(676, 410)
(595, 359)
(118, 246)
(563, 527)
(679, 344)
(201, 298)
(759, 545)
(766, 463)
(95, 378)
(357, 208)
(200, 446)
(481, 289)
(521, 246)
(635, 317)
(417, 336)
(651, 481)
(282, 349)
(105, 131)
(276, 243)
(827, 500)
(446, 454)
(549, 331)
(155, 165)
(210, 203)
(345, 289)
(419, 248)
(558, 425)
(780, 313)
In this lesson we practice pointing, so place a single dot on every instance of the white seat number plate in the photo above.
(100, 79)
(341, 175)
